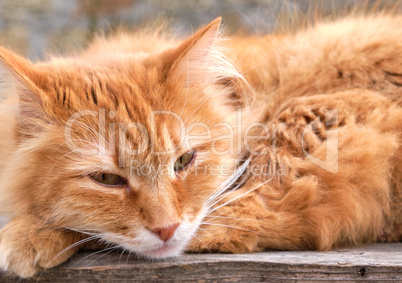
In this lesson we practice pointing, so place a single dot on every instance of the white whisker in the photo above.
(95, 132)
(124, 250)
(202, 242)
(185, 101)
(58, 160)
(204, 230)
(75, 245)
(229, 226)
(245, 193)
(111, 249)
(83, 241)
(94, 253)
(128, 256)
(221, 197)
(210, 96)
(87, 141)
(83, 231)
(228, 182)
(225, 217)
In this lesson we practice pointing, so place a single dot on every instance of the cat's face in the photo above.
(130, 149)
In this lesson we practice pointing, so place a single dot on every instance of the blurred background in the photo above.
(34, 27)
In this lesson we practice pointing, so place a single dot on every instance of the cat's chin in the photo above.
(165, 251)
(146, 244)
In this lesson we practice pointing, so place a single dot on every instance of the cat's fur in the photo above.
(334, 86)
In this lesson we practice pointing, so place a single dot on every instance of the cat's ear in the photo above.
(17, 87)
(201, 59)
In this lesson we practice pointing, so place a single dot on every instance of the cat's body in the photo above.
(351, 66)
(330, 98)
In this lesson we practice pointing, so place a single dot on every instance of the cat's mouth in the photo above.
(145, 243)
(173, 247)
(152, 250)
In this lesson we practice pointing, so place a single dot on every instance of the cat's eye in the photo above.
(183, 161)
(107, 179)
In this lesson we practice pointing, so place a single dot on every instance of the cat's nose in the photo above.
(165, 233)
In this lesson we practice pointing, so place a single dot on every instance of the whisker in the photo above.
(94, 131)
(87, 141)
(204, 230)
(185, 101)
(94, 253)
(230, 181)
(105, 254)
(128, 257)
(82, 231)
(252, 67)
(229, 226)
(221, 197)
(124, 250)
(245, 193)
(210, 96)
(202, 243)
(225, 217)
(75, 245)
(83, 241)
(58, 160)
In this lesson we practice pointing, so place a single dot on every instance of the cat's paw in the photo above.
(27, 247)
(224, 240)
(17, 254)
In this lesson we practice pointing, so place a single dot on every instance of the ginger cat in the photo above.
(158, 146)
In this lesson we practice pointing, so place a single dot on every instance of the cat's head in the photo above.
(131, 147)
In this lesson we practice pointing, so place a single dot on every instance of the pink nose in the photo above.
(165, 233)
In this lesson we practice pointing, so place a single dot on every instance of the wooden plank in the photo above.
(377, 263)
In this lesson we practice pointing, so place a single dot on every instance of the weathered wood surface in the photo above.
(380, 263)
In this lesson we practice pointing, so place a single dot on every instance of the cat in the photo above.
(287, 141)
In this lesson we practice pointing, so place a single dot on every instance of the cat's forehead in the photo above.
(133, 107)
(129, 106)
(77, 73)
(108, 84)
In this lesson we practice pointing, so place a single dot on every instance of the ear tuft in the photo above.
(201, 58)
